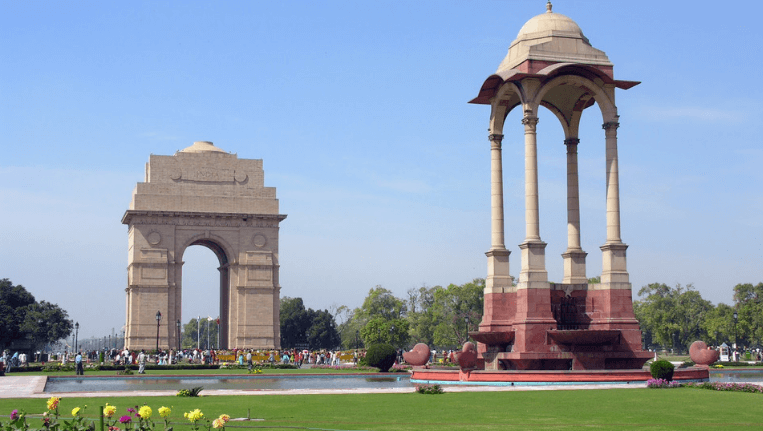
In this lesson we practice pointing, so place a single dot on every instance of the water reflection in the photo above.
(58, 384)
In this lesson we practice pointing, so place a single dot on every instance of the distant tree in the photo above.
(457, 310)
(295, 322)
(322, 331)
(189, 339)
(386, 331)
(748, 301)
(672, 316)
(420, 314)
(23, 318)
(14, 301)
(46, 323)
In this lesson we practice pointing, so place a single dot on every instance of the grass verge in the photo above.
(615, 409)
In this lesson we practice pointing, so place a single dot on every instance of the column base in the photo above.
(574, 267)
(498, 278)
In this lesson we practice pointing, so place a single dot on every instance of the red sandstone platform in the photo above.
(423, 375)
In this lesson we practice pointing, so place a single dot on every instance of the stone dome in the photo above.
(549, 21)
(551, 38)
(202, 147)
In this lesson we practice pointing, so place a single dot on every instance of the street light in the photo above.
(736, 316)
(357, 345)
(76, 335)
(466, 335)
(158, 319)
(178, 323)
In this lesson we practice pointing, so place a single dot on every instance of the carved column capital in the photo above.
(572, 145)
(495, 140)
(610, 125)
(530, 122)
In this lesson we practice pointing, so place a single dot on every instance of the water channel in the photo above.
(319, 381)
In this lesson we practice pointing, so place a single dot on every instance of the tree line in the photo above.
(674, 317)
(25, 323)
(438, 316)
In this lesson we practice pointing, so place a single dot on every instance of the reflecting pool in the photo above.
(148, 383)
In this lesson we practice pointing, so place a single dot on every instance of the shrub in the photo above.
(430, 389)
(381, 356)
(662, 369)
(193, 392)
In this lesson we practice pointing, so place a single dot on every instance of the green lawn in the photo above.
(615, 409)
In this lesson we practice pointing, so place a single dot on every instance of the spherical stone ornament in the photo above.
(418, 356)
(259, 240)
(240, 176)
(701, 355)
(154, 238)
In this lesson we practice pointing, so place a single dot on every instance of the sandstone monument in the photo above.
(203, 195)
(533, 324)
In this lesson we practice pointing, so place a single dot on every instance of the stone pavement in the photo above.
(34, 387)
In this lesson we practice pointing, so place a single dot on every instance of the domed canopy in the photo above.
(202, 147)
(552, 38)
(550, 21)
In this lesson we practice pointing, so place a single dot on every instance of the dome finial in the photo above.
(548, 6)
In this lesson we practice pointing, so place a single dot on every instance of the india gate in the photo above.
(203, 195)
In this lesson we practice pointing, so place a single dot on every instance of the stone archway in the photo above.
(205, 196)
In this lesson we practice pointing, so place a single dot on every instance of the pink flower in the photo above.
(125, 419)
(14, 415)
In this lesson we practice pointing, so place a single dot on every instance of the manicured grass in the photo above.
(614, 409)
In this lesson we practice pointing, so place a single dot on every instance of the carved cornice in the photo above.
(173, 218)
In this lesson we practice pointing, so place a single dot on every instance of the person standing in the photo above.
(142, 362)
(249, 360)
(78, 361)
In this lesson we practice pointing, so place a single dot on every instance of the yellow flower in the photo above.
(225, 417)
(109, 411)
(145, 412)
(194, 415)
(53, 402)
(218, 423)
(164, 411)
(75, 411)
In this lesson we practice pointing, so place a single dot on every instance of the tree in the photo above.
(23, 318)
(295, 322)
(13, 305)
(379, 304)
(45, 323)
(190, 329)
(748, 301)
(322, 331)
(382, 331)
(420, 317)
(301, 326)
(672, 316)
(457, 310)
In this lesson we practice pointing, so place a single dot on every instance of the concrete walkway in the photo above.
(34, 387)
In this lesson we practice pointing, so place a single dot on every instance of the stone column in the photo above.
(613, 183)
(497, 314)
(496, 192)
(533, 313)
(532, 225)
(613, 306)
(574, 257)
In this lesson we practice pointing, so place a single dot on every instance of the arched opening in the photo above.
(203, 276)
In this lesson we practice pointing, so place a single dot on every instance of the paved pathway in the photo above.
(34, 387)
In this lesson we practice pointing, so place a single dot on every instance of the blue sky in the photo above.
(359, 111)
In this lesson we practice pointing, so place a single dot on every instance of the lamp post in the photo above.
(158, 319)
(466, 334)
(198, 333)
(178, 323)
(357, 345)
(736, 317)
(391, 335)
(76, 336)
